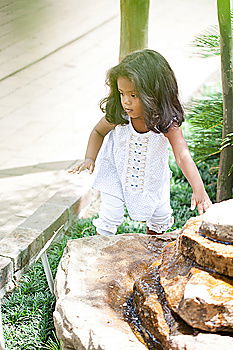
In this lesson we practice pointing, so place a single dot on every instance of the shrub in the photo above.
(205, 118)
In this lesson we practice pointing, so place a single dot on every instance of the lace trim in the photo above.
(136, 165)
(100, 224)
(157, 228)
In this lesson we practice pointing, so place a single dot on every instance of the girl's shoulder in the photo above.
(103, 127)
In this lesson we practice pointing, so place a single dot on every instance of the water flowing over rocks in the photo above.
(172, 293)
(155, 315)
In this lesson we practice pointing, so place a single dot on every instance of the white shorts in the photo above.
(111, 215)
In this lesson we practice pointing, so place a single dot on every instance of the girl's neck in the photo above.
(139, 125)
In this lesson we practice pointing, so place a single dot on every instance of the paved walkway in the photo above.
(49, 106)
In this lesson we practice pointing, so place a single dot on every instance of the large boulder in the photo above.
(205, 252)
(94, 279)
(203, 299)
(217, 221)
(158, 295)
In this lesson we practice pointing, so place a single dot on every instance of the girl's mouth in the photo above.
(128, 110)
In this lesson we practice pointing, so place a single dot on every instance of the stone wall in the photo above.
(20, 248)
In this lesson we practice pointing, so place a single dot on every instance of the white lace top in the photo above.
(134, 167)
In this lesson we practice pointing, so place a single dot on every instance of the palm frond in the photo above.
(205, 119)
(208, 42)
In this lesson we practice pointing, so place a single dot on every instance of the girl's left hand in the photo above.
(201, 201)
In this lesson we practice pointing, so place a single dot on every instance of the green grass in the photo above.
(27, 311)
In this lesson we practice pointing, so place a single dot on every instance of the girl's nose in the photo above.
(126, 100)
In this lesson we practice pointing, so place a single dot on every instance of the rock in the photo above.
(168, 293)
(158, 293)
(201, 341)
(94, 279)
(209, 254)
(217, 221)
(151, 305)
(202, 299)
(146, 300)
(208, 302)
(174, 274)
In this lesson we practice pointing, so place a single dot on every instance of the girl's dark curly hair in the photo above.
(156, 87)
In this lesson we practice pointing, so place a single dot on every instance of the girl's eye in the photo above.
(134, 95)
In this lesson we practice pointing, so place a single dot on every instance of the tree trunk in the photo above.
(134, 25)
(225, 182)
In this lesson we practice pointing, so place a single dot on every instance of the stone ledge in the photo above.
(48, 218)
(21, 246)
(68, 199)
(216, 256)
(6, 273)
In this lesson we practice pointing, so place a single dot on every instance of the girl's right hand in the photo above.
(88, 163)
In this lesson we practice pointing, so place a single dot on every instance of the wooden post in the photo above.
(134, 25)
(225, 182)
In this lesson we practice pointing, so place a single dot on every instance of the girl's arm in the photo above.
(95, 141)
(184, 160)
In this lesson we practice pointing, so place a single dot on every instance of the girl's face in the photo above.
(129, 99)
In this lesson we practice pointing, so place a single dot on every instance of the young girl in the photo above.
(142, 115)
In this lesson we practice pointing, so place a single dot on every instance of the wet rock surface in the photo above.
(174, 274)
(159, 300)
(203, 299)
(217, 222)
(94, 279)
(156, 317)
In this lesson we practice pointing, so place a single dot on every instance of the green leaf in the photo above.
(208, 42)
(205, 117)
